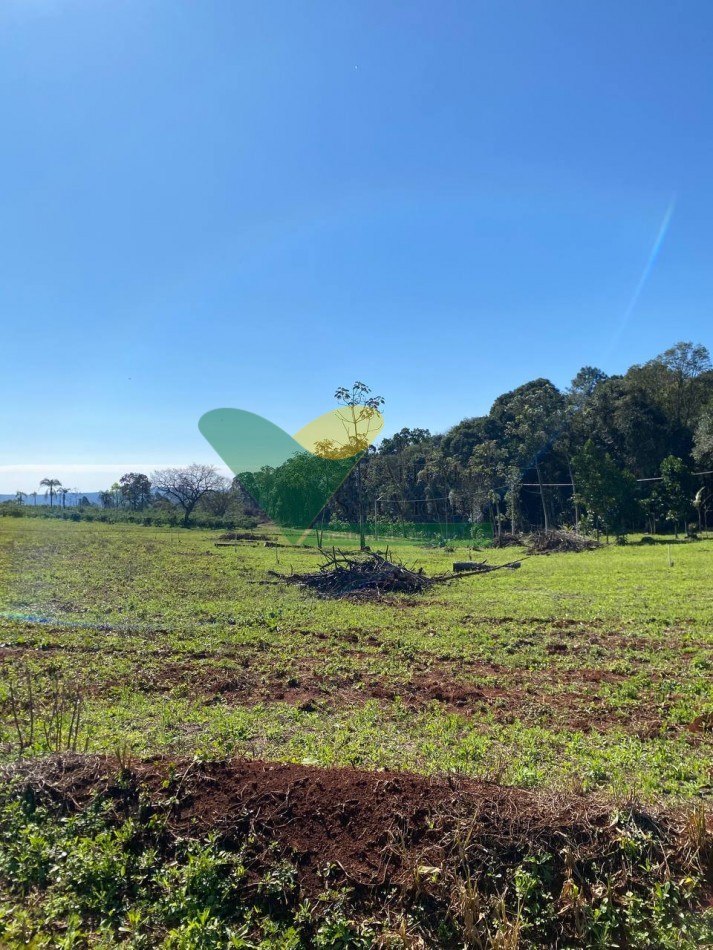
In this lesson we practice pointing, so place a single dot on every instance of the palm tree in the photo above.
(51, 484)
(64, 492)
(20, 497)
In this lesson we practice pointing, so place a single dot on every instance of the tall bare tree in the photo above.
(186, 486)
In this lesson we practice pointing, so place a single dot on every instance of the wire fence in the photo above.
(480, 533)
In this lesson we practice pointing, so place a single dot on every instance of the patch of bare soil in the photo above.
(561, 694)
(564, 698)
(529, 622)
(550, 696)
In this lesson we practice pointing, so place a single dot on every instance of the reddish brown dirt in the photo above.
(373, 828)
(552, 695)
(545, 696)
(567, 692)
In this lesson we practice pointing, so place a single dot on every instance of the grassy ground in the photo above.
(578, 672)
(592, 670)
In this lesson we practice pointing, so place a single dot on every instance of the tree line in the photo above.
(193, 494)
(610, 454)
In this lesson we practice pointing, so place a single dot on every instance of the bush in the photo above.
(151, 517)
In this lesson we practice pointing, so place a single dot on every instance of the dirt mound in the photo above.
(429, 851)
(373, 826)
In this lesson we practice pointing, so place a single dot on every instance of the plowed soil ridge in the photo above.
(374, 828)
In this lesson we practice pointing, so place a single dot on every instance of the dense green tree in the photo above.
(404, 438)
(460, 441)
(440, 474)
(392, 483)
(293, 493)
(533, 417)
(676, 491)
(703, 438)
(135, 490)
(622, 420)
(686, 365)
(487, 473)
(634, 421)
(584, 385)
(607, 492)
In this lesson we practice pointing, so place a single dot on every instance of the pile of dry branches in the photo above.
(371, 573)
(548, 542)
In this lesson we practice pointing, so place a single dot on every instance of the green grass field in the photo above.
(577, 673)
(581, 669)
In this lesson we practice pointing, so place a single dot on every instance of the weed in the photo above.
(45, 711)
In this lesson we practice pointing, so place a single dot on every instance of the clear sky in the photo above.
(210, 203)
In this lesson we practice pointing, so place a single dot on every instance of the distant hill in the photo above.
(72, 498)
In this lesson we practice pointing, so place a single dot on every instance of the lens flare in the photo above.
(653, 255)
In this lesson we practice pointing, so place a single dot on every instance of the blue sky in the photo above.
(223, 203)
